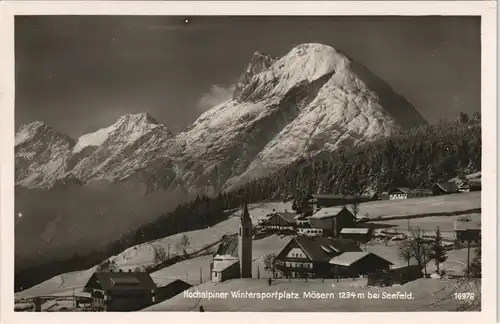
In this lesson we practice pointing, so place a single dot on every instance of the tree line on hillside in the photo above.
(415, 158)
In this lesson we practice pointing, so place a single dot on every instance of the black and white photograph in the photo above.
(248, 163)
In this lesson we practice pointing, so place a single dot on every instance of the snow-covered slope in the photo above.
(143, 255)
(312, 99)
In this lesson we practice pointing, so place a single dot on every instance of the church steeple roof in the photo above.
(245, 215)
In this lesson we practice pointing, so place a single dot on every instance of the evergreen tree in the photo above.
(438, 253)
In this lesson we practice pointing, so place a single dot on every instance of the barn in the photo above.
(444, 188)
(332, 220)
(361, 235)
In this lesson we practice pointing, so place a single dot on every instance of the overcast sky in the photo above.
(80, 74)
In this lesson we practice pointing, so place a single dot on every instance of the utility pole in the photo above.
(168, 252)
(468, 258)
(201, 277)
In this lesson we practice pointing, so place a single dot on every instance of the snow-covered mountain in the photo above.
(312, 99)
(115, 153)
(41, 155)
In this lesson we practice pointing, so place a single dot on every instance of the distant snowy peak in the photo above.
(130, 126)
(45, 157)
(41, 153)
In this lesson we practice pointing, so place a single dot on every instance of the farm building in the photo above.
(322, 257)
(397, 275)
(332, 220)
(399, 193)
(170, 289)
(354, 264)
(233, 258)
(469, 185)
(405, 193)
(121, 291)
(280, 221)
(421, 192)
(444, 188)
(361, 235)
(468, 231)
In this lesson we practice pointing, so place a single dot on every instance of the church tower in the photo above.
(245, 244)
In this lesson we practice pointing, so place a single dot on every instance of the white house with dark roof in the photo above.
(399, 193)
(233, 258)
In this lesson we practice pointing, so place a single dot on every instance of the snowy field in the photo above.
(427, 225)
(428, 295)
(455, 264)
(427, 205)
(142, 255)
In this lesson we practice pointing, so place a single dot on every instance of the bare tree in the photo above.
(415, 248)
(185, 243)
(160, 255)
(107, 266)
(355, 208)
(270, 263)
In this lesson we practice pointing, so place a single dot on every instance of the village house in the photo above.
(121, 291)
(279, 221)
(170, 288)
(361, 235)
(233, 258)
(330, 221)
(421, 192)
(322, 257)
(469, 185)
(399, 193)
(468, 231)
(444, 188)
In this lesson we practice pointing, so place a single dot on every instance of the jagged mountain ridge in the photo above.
(312, 99)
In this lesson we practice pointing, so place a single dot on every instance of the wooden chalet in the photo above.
(279, 221)
(322, 257)
(121, 291)
(444, 188)
(332, 220)
(468, 231)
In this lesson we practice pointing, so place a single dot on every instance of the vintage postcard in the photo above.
(334, 158)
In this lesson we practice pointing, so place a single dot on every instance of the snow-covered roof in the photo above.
(354, 231)
(224, 264)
